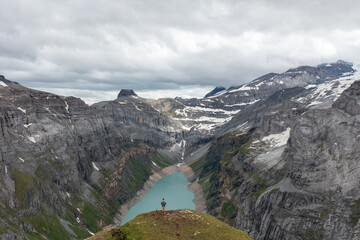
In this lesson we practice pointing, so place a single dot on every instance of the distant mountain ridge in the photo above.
(265, 153)
(214, 91)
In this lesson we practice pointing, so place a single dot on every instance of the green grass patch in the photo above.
(34, 236)
(206, 184)
(239, 148)
(24, 183)
(353, 219)
(160, 160)
(106, 173)
(2, 230)
(198, 164)
(175, 224)
(228, 211)
(314, 235)
(139, 169)
(49, 226)
(257, 178)
(355, 213)
(259, 192)
(81, 234)
(90, 215)
(77, 228)
(6, 211)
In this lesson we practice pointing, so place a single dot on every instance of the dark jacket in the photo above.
(163, 203)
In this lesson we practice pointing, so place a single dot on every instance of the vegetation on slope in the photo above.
(175, 224)
(227, 166)
(72, 215)
(217, 174)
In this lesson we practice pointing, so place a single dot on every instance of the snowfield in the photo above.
(277, 140)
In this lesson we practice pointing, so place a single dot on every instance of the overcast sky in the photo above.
(92, 49)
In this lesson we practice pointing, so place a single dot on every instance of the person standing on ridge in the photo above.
(163, 204)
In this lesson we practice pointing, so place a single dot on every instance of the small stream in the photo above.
(173, 188)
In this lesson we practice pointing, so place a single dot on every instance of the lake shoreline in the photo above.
(194, 187)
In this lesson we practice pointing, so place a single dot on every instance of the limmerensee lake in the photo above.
(174, 188)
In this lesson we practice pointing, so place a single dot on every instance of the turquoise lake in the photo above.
(173, 188)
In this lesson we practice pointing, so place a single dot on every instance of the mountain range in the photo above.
(276, 157)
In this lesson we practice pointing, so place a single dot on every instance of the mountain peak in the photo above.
(349, 101)
(215, 91)
(344, 62)
(126, 93)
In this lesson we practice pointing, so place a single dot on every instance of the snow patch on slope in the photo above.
(66, 107)
(244, 88)
(187, 109)
(32, 139)
(331, 90)
(24, 111)
(136, 107)
(243, 104)
(3, 84)
(28, 125)
(279, 139)
(94, 166)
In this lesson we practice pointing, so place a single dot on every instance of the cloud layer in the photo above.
(170, 46)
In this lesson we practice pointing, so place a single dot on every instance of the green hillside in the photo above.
(175, 224)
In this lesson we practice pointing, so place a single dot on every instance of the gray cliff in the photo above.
(276, 157)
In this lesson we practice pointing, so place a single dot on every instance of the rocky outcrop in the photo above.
(126, 93)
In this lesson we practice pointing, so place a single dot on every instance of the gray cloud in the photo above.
(159, 45)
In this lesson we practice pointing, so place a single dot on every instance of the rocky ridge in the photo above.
(271, 155)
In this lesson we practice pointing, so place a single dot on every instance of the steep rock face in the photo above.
(318, 198)
(71, 163)
(235, 170)
(286, 166)
(132, 117)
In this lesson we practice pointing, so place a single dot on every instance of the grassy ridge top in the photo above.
(175, 224)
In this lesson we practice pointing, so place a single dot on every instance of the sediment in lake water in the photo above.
(194, 187)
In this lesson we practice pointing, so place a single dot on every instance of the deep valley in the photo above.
(276, 158)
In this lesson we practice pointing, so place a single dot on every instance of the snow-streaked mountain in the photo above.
(324, 83)
(260, 150)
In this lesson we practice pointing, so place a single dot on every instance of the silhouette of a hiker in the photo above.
(163, 204)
